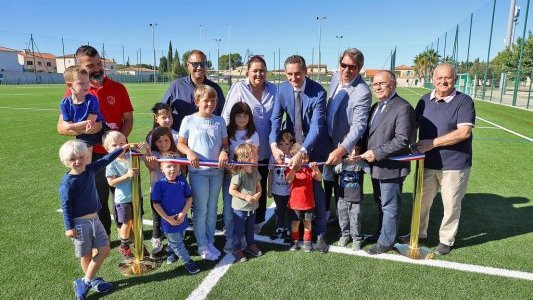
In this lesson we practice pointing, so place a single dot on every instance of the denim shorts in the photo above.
(91, 234)
(124, 212)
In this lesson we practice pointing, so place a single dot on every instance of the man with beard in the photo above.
(180, 94)
(116, 108)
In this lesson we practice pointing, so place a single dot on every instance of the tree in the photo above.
(128, 62)
(170, 60)
(163, 65)
(425, 63)
(507, 60)
(236, 61)
(178, 70)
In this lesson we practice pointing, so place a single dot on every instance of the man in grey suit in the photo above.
(346, 113)
(390, 131)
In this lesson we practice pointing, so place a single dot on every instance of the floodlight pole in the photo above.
(339, 37)
(153, 25)
(319, 19)
(218, 59)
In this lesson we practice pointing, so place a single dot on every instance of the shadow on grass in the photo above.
(484, 218)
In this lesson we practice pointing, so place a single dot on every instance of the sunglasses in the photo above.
(196, 64)
(350, 67)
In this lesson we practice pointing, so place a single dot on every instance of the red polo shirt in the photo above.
(114, 101)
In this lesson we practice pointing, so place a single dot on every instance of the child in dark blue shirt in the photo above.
(80, 205)
(172, 199)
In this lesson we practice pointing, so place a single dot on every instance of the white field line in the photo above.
(494, 124)
(221, 268)
(486, 127)
(214, 276)
(425, 262)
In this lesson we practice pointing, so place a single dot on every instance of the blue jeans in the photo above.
(243, 225)
(175, 242)
(391, 199)
(227, 211)
(205, 186)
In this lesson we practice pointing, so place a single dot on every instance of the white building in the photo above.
(68, 60)
(42, 62)
(64, 62)
(9, 60)
(136, 71)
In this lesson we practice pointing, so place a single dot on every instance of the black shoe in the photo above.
(378, 249)
(321, 245)
(443, 249)
(406, 239)
(372, 239)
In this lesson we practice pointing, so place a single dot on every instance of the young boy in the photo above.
(119, 175)
(350, 172)
(172, 199)
(279, 188)
(302, 199)
(80, 110)
(80, 204)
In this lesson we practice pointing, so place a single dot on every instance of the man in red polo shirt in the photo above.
(117, 110)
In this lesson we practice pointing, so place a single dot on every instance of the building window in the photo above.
(39, 63)
(48, 64)
(29, 63)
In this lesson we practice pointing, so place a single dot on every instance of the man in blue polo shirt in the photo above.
(180, 94)
(445, 118)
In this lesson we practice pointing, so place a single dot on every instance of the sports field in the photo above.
(492, 258)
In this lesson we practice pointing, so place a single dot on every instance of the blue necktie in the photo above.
(298, 130)
(377, 115)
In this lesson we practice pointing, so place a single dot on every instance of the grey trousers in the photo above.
(349, 218)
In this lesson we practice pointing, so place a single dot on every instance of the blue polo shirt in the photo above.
(436, 118)
(180, 97)
(172, 196)
(80, 112)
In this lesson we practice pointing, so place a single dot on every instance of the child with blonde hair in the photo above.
(119, 175)
(203, 136)
(245, 188)
(80, 205)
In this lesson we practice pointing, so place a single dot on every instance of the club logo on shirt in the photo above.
(111, 100)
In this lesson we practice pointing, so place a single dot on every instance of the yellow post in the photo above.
(138, 264)
(413, 250)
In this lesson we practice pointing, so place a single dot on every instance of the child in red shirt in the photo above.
(302, 199)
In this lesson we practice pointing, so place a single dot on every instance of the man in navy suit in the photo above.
(390, 131)
(303, 101)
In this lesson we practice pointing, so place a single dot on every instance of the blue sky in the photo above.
(375, 27)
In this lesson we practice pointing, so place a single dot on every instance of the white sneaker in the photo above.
(206, 254)
(213, 250)
(157, 245)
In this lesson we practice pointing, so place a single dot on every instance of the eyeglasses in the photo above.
(350, 67)
(380, 84)
(196, 64)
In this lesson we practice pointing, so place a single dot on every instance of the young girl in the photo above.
(161, 143)
(302, 199)
(119, 175)
(162, 118)
(279, 188)
(241, 129)
(246, 189)
(203, 136)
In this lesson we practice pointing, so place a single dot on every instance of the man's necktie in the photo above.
(298, 130)
(377, 115)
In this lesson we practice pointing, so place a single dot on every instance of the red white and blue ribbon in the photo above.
(408, 157)
(214, 163)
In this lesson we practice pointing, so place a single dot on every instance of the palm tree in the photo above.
(425, 63)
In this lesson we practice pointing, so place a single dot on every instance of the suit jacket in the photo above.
(313, 117)
(347, 112)
(391, 135)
